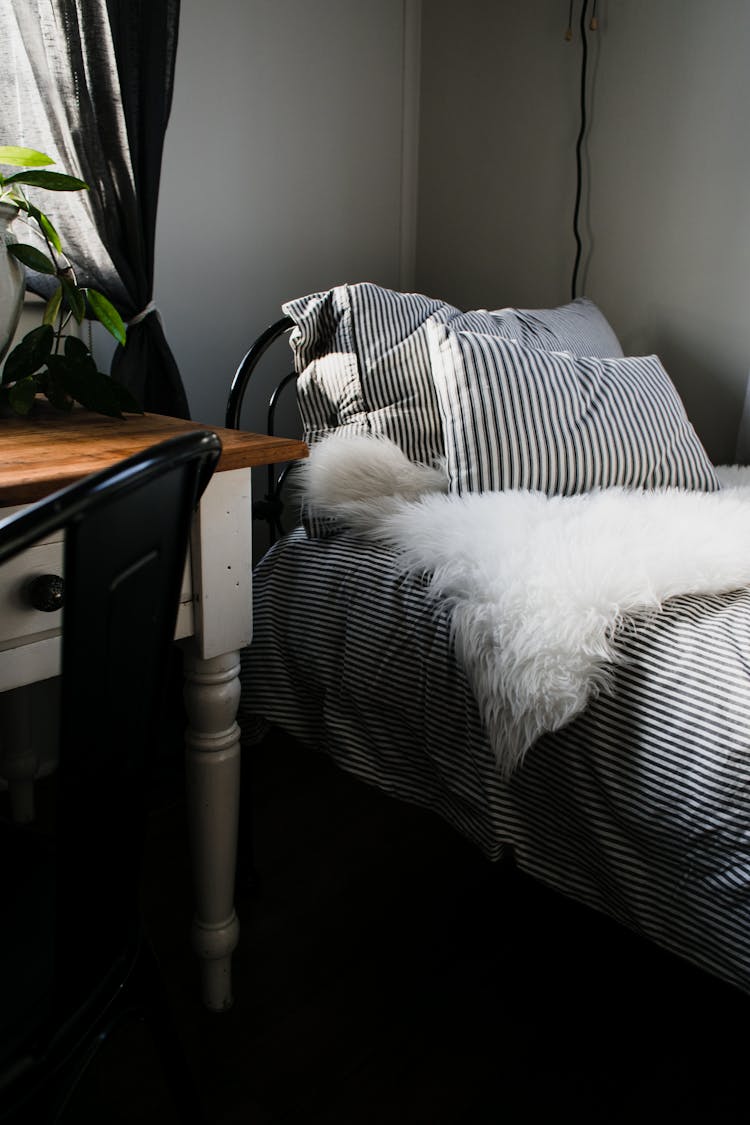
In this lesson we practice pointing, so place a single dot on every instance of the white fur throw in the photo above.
(342, 469)
(537, 585)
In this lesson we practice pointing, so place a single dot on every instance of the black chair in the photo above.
(74, 960)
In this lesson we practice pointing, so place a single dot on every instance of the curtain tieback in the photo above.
(150, 307)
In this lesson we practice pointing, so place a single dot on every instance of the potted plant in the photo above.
(12, 280)
(48, 361)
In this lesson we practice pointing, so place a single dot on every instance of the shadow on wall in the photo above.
(710, 382)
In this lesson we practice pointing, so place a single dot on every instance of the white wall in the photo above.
(284, 173)
(496, 180)
(281, 173)
(669, 166)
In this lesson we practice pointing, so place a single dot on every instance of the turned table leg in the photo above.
(212, 693)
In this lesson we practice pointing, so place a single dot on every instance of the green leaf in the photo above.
(95, 392)
(22, 394)
(74, 369)
(31, 353)
(45, 225)
(106, 313)
(32, 258)
(52, 181)
(23, 157)
(58, 366)
(78, 354)
(128, 403)
(52, 308)
(56, 393)
(75, 299)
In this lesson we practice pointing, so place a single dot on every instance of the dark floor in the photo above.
(387, 974)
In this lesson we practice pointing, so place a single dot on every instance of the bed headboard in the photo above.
(271, 507)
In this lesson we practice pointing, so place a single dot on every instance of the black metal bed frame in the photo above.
(271, 507)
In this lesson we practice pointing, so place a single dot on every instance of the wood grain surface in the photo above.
(40, 454)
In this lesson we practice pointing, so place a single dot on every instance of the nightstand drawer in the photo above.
(20, 622)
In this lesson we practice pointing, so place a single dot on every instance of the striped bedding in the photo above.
(363, 359)
(639, 808)
(519, 418)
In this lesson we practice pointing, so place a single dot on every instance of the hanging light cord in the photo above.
(579, 147)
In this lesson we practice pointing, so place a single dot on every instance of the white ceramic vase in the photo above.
(12, 281)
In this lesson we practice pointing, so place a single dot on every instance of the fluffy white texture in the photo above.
(733, 476)
(538, 585)
(361, 467)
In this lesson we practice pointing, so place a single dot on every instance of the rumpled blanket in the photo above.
(538, 587)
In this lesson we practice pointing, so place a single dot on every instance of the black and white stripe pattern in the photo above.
(364, 366)
(639, 808)
(362, 355)
(518, 418)
(579, 327)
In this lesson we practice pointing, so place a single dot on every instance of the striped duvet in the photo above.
(639, 808)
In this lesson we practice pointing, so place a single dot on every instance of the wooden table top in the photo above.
(51, 449)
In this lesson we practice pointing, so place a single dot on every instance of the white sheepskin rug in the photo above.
(537, 586)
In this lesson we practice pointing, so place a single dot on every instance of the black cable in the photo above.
(579, 145)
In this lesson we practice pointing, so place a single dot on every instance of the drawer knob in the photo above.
(46, 592)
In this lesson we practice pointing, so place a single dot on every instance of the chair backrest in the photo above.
(126, 536)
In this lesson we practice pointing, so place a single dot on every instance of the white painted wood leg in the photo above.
(212, 740)
(19, 757)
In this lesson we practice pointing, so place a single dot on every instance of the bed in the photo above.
(519, 596)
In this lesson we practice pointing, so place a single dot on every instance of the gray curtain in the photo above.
(90, 83)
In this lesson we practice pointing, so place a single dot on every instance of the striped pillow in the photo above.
(518, 418)
(363, 362)
(579, 327)
(362, 357)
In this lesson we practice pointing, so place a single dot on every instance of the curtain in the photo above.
(90, 83)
